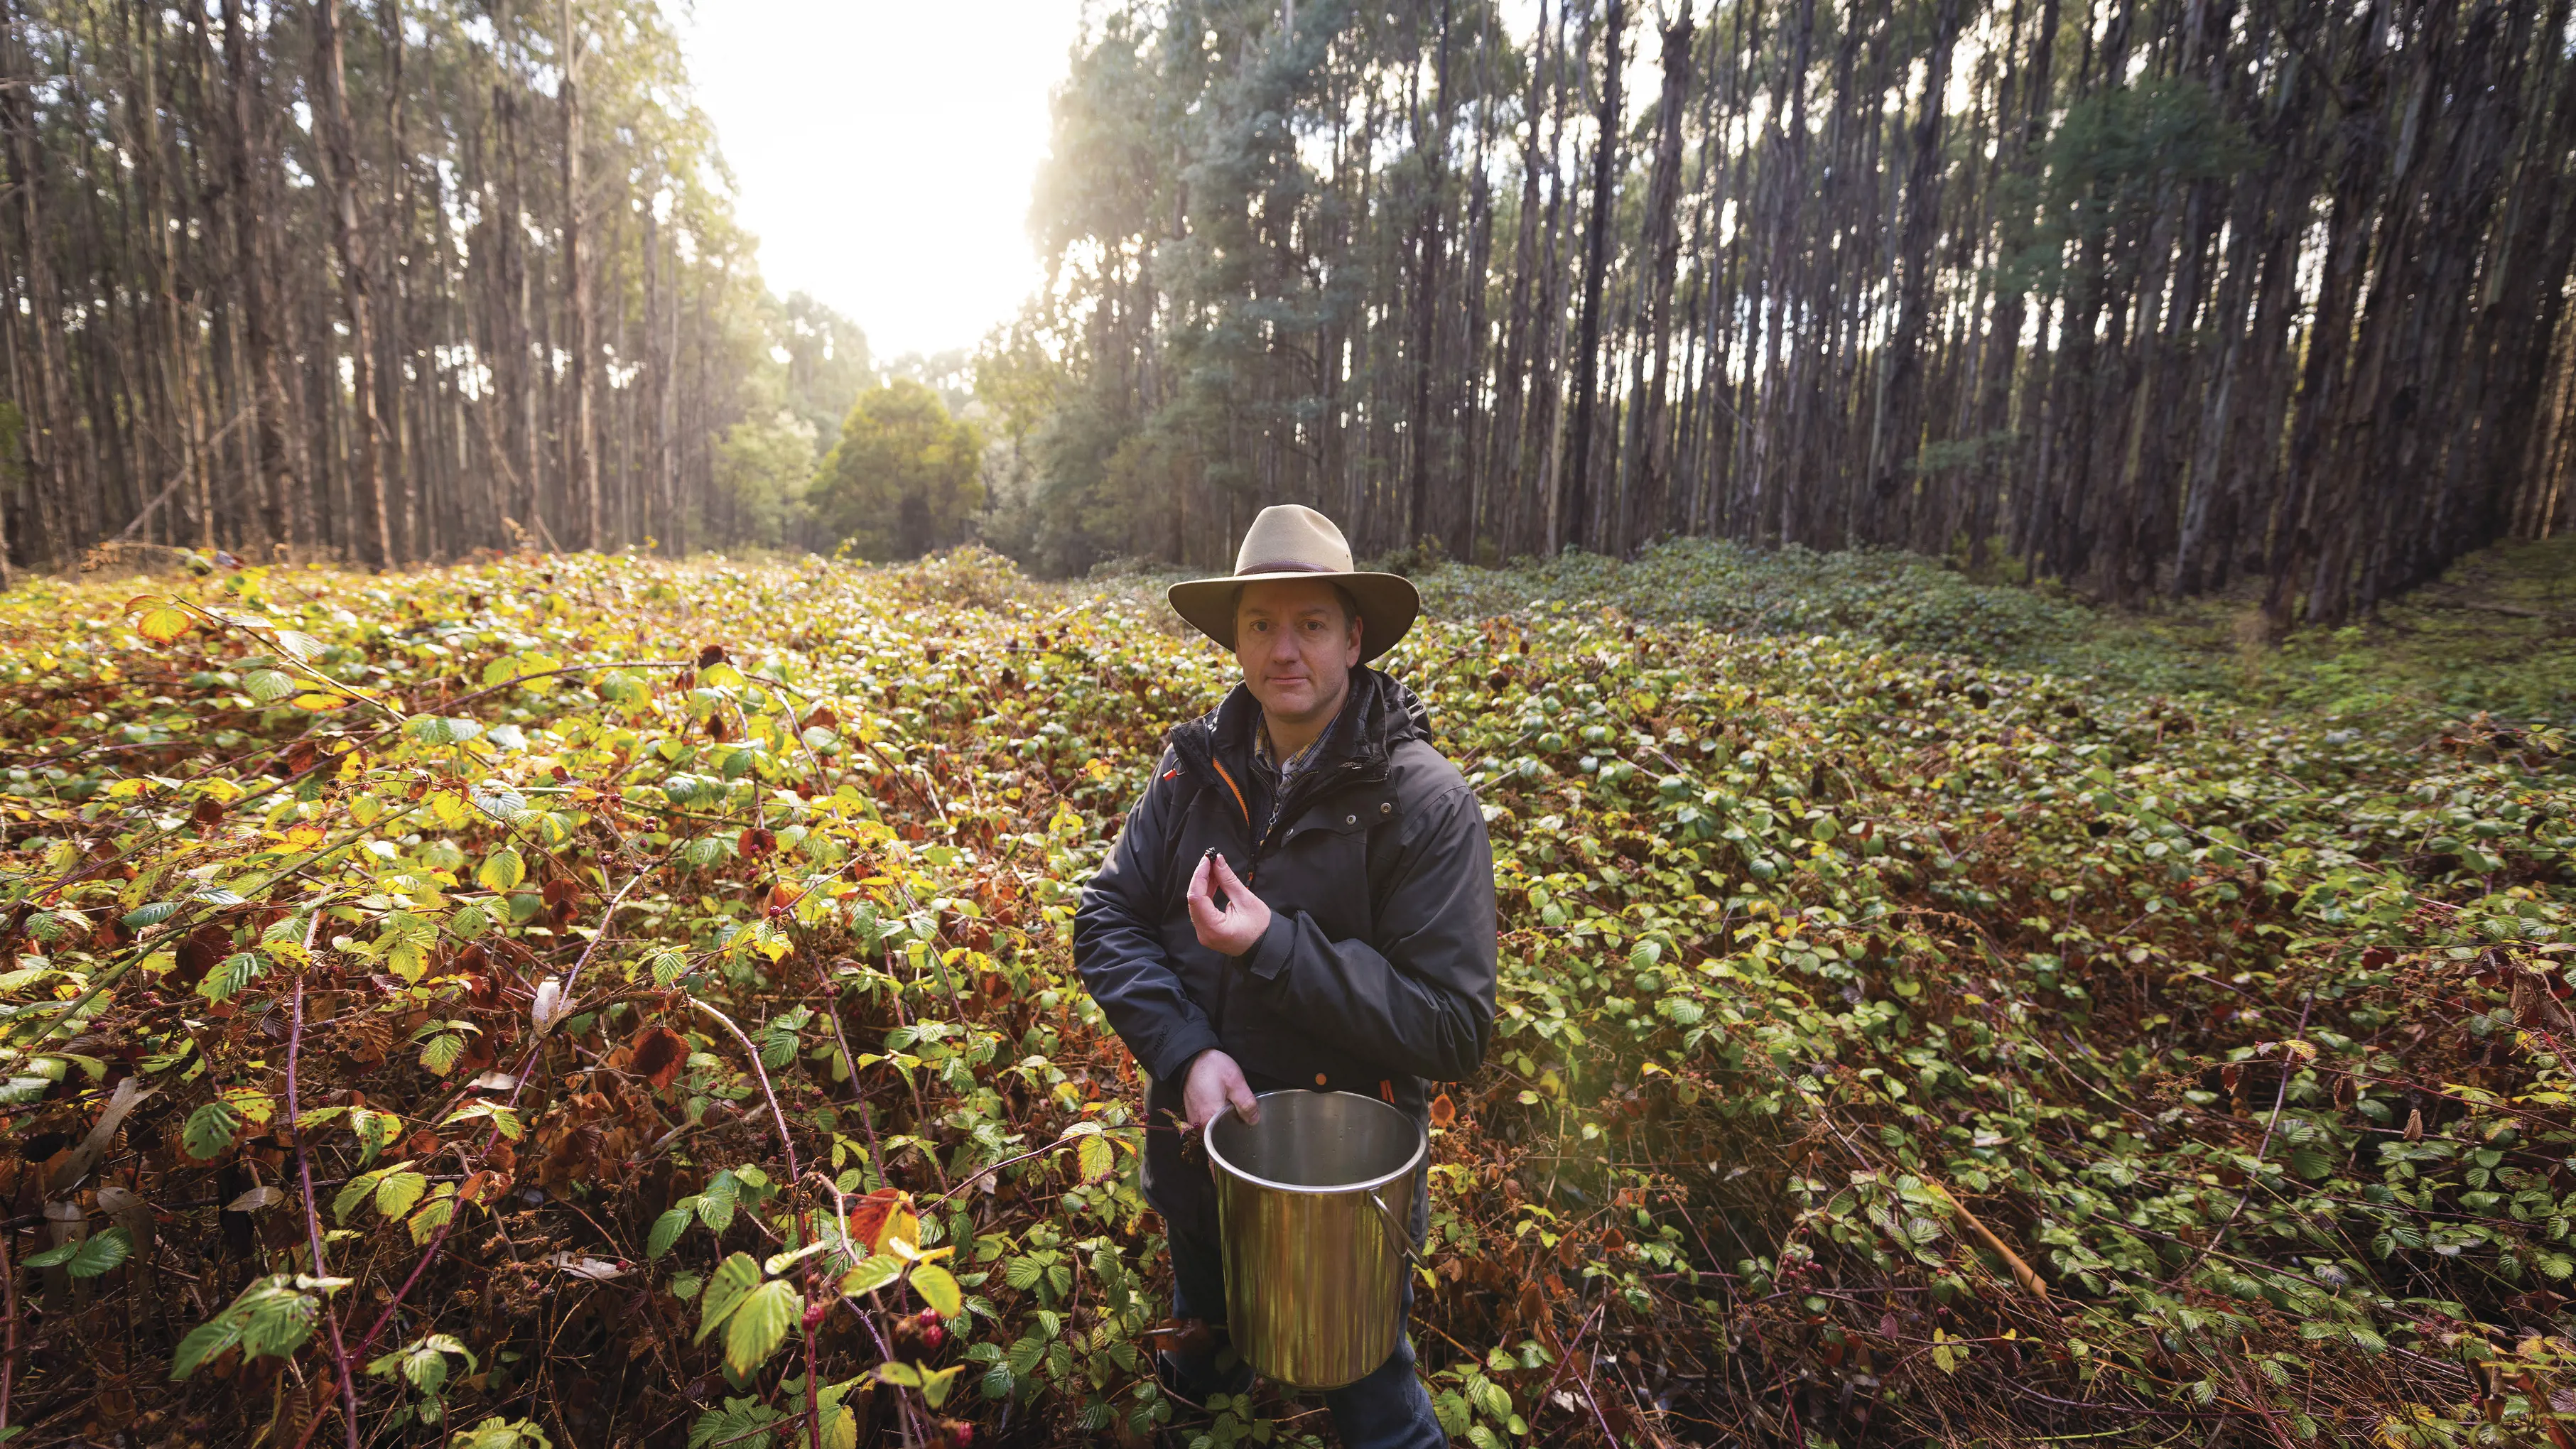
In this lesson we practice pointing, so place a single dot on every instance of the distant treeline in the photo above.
(383, 282)
(2146, 295)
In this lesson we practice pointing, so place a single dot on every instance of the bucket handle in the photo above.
(1395, 1233)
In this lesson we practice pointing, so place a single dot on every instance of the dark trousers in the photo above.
(1389, 1409)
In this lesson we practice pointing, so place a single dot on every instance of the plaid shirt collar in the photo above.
(1262, 756)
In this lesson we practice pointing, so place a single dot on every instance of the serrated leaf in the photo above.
(96, 1255)
(238, 970)
(501, 870)
(356, 1191)
(432, 729)
(938, 1288)
(268, 686)
(441, 1053)
(727, 1286)
(879, 1270)
(151, 915)
(397, 1191)
(210, 1130)
(1095, 1158)
(164, 622)
(759, 1325)
(666, 1232)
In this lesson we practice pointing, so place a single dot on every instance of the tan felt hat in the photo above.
(1289, 541)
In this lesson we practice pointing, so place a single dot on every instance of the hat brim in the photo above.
(1388, 605)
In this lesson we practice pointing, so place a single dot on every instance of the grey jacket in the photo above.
(1377, 971)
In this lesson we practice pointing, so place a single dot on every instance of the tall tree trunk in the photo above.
(581, 453)
(1579, 511)
(340, 179)
(1643, 505)
(280, 480)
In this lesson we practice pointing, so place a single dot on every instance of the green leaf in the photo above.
(210, 1130)
(396, 1193)
(96, 1255)
(935, 1383)
(938, 1289)
(430, 729)
(272, 1317)
(440, 1054)
(666, 1231)
(1095, 1158)
(205, 1341)
(732, 1281)
(502, 870)
(151, 915)
(237, 971)
(879, 1270)
(760, 1324)
(268, 686)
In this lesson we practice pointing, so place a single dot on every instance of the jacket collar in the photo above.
(1380, 714)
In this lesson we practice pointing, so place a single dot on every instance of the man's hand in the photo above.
(1216, 1083)
(1235, 929)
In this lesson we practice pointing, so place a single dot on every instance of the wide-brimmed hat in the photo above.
(1289, 541)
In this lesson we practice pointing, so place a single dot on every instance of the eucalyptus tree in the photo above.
(2145, 298)
(385, 280)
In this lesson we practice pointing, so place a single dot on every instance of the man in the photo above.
(1304, 898)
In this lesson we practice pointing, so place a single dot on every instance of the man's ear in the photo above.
(1359, 626)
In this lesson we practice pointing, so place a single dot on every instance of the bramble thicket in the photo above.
(589, 1000)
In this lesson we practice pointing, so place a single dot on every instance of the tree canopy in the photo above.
(905, 477)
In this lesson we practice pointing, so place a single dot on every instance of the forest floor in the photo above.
(1931, 1011)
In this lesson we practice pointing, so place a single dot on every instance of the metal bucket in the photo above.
(1308, 1204)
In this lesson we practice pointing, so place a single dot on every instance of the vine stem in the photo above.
(9, 1288)
(795, 1181)
(2289, 1069)
(526, 1065)
(885, 1351)
(304, 1176)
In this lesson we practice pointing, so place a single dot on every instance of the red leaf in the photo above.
(1443, 1111)
(198, 954)
(659, 1054)
(868, 1214)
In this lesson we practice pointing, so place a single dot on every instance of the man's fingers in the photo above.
(1225, 876)
(1246, 1106)
(1199, 882)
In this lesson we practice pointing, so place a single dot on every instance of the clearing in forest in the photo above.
(596, 1001)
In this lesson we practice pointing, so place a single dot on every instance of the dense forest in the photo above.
(2147, 298)
(2141, 296)
(384, 283)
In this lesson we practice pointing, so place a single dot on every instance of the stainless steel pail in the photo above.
(1314, 1205)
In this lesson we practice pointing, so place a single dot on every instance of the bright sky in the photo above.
(884, 150)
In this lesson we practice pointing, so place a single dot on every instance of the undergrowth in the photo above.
(599, 1001)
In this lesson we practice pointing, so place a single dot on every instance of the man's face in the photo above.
(1297, 645)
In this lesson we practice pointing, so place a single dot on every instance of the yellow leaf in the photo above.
(164, 622)
(320, 701)
(938, 1289)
